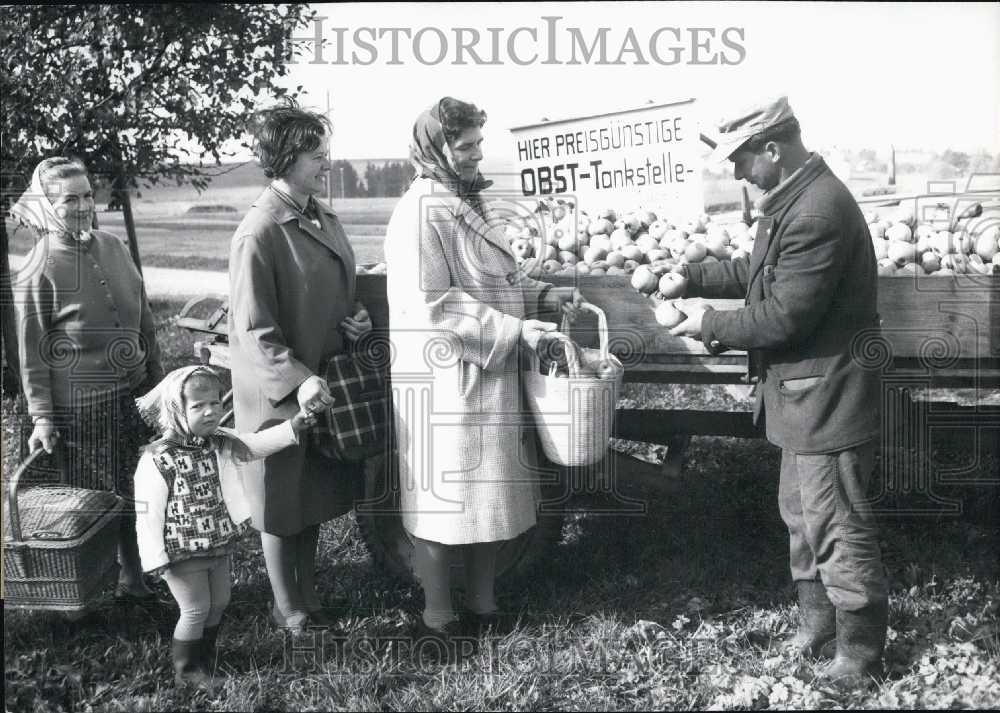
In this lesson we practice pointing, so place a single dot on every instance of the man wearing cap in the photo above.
(810, 301)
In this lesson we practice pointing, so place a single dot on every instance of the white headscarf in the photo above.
(163, 406)
(34, 209)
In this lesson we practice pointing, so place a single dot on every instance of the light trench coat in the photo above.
(467, 454)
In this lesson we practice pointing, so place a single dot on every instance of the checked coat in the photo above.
(467, 454)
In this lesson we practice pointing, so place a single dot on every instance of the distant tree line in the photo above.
(387, 180)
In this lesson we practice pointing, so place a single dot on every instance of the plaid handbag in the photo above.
(354, 428)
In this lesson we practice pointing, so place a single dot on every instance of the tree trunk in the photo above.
(121, 190)
(11, 368)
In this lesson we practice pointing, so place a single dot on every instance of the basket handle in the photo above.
(602, 326)
(15, 517)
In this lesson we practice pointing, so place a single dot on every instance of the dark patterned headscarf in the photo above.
(428, 156)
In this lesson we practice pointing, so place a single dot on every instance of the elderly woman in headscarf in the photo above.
(459, 310)
(87, 345)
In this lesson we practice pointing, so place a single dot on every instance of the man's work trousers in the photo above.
(832, 532)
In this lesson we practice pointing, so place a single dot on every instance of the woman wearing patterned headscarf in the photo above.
(86, 342)
(459, 310)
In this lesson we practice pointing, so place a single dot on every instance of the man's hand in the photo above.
(691, 327)
(563, 299)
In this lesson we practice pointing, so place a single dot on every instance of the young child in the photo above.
(191, 509)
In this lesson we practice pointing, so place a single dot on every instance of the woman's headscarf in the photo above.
(34, 209)
(428, 156)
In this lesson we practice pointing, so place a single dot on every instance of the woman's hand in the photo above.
(564, 299)
(357, 326)
(532, 331)
(44, 435)
(302, 420)
(314, 395)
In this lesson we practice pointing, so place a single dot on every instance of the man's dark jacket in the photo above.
(810, 290)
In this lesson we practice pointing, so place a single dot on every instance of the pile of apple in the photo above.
(560, 240)
(906, 246)
(563, 241)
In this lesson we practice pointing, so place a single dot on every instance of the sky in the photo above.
(856, 74)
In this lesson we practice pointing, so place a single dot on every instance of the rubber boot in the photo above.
(209, 637)
(817, 620)
(188, 668)
(860, 643)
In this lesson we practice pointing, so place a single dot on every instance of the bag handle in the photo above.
(572, 359)
(602, 327)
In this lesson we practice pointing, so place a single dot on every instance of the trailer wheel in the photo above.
(391, 547)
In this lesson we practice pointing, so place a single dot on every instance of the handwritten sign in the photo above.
(648, 157)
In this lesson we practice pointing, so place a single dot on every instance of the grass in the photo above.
(676, 608)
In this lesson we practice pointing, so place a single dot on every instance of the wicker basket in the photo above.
(59, 544)
(574, 416)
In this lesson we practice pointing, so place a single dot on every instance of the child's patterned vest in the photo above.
(197, 521)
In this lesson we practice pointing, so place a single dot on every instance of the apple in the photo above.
(717, 232)
(910, 268)
(521, 248)
(740, 254)
(601, 226)
(598, 265)
(881, 248)
(717, 244)
(673, 285)
(930, 261)
(659, 269)
(567, 243)
(886, 266)
(582, 237)
(901, 252)
(567, 258)
(632, 252)
(667, 315)
(615, 270)
(607, 214)
(987, 245)
(877, 230)
(644, 280)
(646, 217)
(657, 254)
(550, 266)
(899, 232)
(640, 235)
(532, 267)
(620, 238)
(695, 252)
(657, 229)
(631, 266)
(593, 254)
(616, 259)
(978, 266)
(602, 242)
(582, 268)
(558, 213)
(633, 223)
(956, 262)
(647, 243)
